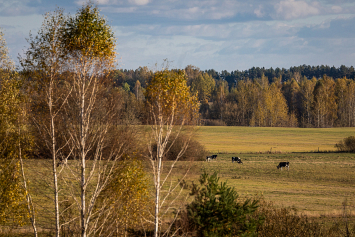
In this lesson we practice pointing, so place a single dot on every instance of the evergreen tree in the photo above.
(216, 211)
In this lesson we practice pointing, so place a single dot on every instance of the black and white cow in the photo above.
(212, 157)
(284, 164)
(237, 159)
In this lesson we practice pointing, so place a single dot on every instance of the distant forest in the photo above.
(303, 96)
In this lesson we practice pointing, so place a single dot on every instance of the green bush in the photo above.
(346, 145)
(216, 211)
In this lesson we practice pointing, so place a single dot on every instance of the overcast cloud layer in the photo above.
(210, 34)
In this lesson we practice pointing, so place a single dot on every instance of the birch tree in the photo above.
(44, 64)
(204, 84)
(324, 105)
(69, 61)
(307, 99)
(276, 107)
(243, 101)
(13, 208)
(171, 106)
(345, 89)
(90, 110)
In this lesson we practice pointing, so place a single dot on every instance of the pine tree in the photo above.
(216, 211)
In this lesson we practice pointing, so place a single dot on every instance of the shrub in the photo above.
(194, 151)
(216, 211)
(126, 199)
(214, 122)
(346, 145)
(285, 222)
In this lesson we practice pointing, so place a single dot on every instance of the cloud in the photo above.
(338, 28)
(184, 10)
(120, 9)
(122, 3)
(102, 2)
(16, 8)
(219, 34)
(291, 9)
(259, 12)
(337, 9)
(139, 2)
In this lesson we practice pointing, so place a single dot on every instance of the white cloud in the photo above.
(120, 9)
(259, 11)
(337, 9)
(196, 9)
(16, 8)
(104, 2)
(218, 34)
(193, 10)
(116, 2)
(139, 2)
(291, 9)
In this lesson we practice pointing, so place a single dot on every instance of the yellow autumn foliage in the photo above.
(13, 209)
(169, 97)
(127, 198)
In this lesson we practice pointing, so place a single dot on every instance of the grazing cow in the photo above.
(212, 157)
(237, 159)
(284, 164)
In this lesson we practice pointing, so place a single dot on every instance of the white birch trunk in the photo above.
(83, 165)
(54, 155)
(30, 207)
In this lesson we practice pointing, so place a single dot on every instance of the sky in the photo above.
(208, 34)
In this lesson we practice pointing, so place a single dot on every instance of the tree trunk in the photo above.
(82, 156)
(54, 157)
(28, 196)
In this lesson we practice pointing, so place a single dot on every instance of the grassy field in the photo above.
(257, 139)
(317, 182)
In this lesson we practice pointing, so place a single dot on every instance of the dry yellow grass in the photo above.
(259, 139)
(316, 184)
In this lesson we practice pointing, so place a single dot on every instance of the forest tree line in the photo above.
(301, 96)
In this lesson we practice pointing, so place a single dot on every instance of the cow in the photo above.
(284, 164)
(212, 157)
(237, 159)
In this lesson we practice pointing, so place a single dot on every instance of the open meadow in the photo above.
(316, 184)
(223, 139)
